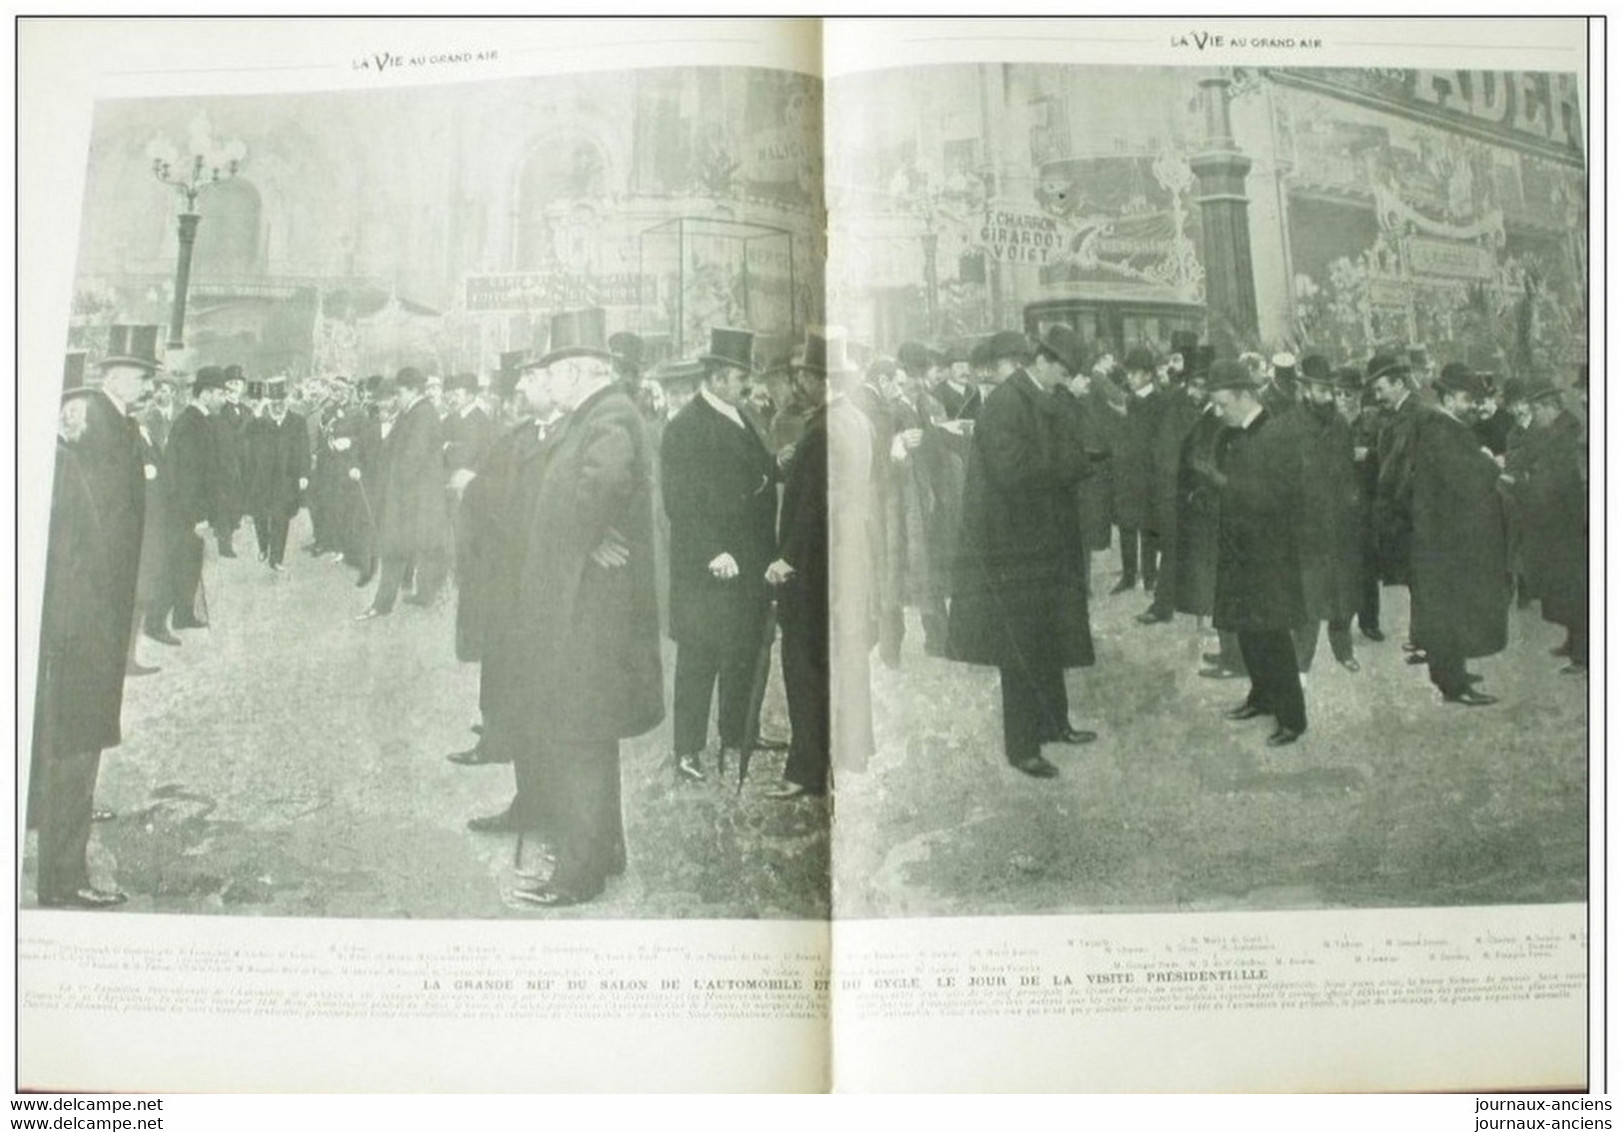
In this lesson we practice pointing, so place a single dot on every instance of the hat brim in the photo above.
(564, 355)
(1401, 369)
(125, 360)
(732, 363)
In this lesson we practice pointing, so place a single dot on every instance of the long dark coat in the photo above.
(914, 523)
(1258, 570)
(1551, 501)
(1133, 471)
(190, 472)
(93, 559)
(278, 457)
(571, 649)
(1460, 553)
(1393, 491)
(802, 531)
(1019, 593)
(719, 487)
(1093, 419)
(230, 493)
(1331, 531)
(150, 580)
(408, 488)
(1199, 510)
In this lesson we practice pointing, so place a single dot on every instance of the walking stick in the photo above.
(757, 689)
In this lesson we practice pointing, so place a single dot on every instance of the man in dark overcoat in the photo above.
(92, 561)
(799, 575)
(1133, 472)
(1552, 504)
(1019, 598)
(467, 431)
(280, 472)
(1391, 379)
(914, 522)
(407, 498)
(572, 664)
(1258, 576)
(1361, 410)
(719, 483)
(230, 425)
(1331, 531)
(1460, 572)
(1178, 417)
(191, 485)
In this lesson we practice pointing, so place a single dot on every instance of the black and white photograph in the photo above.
(1228, 487)
(416, 548)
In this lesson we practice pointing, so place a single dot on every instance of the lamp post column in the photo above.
(177, 317)
(1230, 283)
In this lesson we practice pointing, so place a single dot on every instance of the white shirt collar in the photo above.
(730, 412)
(1144, 390)
(1250, 418)
(468, 408)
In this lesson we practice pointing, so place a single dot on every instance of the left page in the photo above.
(351, 735)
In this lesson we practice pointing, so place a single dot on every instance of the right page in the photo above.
(1211, 696)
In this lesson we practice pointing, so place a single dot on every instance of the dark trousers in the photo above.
(1275, 682)
(1228, 651)
(1306, 641)
(805, 683)
(429, 570)
(66, 799)
(569, 792)
(700, 666)
(1448, 672)
(1035, 708)
(272, 533)
(1368, 604)
(183, 565)
(1132, 565)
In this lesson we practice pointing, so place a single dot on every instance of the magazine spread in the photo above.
(788, 555)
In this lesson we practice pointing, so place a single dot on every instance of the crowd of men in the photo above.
(579, 502)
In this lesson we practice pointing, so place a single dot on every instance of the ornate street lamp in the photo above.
(207, 162)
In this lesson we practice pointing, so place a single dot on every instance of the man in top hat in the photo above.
(1551, 504)
(92, 560)
(1133, 474)
(919, 509)
(1391, 379)
(1258, 577)
(1019, 599)
(407, 498)
(159, 415)
(1331, 528)
(192, 500)
(1460, 557)
(280, 472)
(1281, 392)
(957, 392)
(718, 480)
(570, 514)
(628, 351)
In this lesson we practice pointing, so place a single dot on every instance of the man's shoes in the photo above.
(1373, 634)
(1470, 698)
(1246, 710)
(1035, 766)
(1574, 669)
(133, 667)
(227, 552)
(103, 815)
(504, 822)
(1221, 672)
(1128, 582)
(1283, 737)
(1075, 736)
(188, 623)
(789, 791)
(1350, 664)
(1150, 617)
(476, 755)
(1417, 657)
(765, 744)
(687, 767)
(87, 897)
(161, 635)
(368, 614)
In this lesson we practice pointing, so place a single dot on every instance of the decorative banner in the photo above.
(1457, 261)
(1016, 236)
(540, 291)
